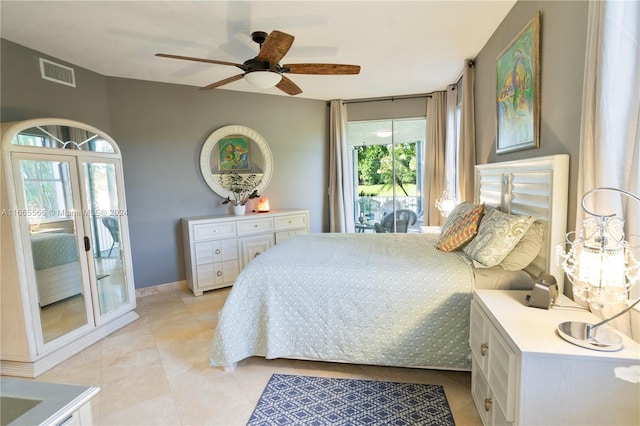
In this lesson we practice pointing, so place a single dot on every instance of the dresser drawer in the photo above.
(255, 226)
(502, 374)
(216, 251)
(209, 231)
(480, 392)
(479, 337)
(291, 222)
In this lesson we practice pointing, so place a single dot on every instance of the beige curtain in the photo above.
(434, 171)
(467, 143)
(610, 129)
(341, 213)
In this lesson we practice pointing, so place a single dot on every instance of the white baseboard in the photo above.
(161, 288)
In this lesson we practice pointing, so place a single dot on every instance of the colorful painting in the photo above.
(518, 91)
(234, 153)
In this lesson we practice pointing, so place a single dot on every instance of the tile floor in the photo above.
(155, 370)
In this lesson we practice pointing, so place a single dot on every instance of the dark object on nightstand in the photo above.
(544, 293)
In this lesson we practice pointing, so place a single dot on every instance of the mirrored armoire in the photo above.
(66, 277)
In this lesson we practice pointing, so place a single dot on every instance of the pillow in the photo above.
(498, 234)
(526, 250)
(457, 212)
(462, 231)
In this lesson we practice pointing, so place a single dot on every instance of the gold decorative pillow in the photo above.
(457, 212)
(462, 230)
(498, 234)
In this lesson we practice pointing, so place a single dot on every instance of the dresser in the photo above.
(217, 248)
(524, 373)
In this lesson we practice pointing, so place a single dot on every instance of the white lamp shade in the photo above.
(263, 79)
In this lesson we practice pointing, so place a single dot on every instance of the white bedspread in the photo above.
(382, 299)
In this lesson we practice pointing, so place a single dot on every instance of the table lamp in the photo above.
(446, 202)
(601, 266)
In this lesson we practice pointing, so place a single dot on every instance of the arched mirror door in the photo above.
(67, 197)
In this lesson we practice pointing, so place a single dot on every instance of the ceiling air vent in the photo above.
(57, 73)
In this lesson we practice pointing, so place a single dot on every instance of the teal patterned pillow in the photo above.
(498, 234)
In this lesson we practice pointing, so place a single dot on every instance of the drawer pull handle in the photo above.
(219, 273)
(215, 229)
(487, 404)
(217, 251)
(483, 349)
(255, 226)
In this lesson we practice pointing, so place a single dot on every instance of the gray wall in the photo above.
(24, 95)
(160, 129)
(562, 45)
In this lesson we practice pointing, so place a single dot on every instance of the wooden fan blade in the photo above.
(275, 47)
(288, 87)
(209, 61)
(322, 69)
(223, 82)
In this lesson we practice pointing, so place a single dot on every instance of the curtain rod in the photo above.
(387, 98)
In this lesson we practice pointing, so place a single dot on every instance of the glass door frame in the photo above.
(420, 151)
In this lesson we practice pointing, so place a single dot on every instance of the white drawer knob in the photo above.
(255, 226)
(483, 349)
(215, 229)
(217, 251)
(219, 273)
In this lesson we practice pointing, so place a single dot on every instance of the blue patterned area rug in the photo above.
(305, 400)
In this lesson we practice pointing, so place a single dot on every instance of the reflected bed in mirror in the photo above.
(235, 149)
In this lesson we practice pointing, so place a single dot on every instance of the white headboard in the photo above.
(537, 187)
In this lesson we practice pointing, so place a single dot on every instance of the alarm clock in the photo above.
(544, 293)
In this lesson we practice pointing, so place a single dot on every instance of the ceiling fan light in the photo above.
(263, 79)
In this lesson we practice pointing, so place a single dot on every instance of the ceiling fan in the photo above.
(265, 70)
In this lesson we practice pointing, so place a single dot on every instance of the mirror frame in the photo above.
(212, 141)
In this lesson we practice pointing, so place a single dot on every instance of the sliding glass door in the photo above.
(388, 161)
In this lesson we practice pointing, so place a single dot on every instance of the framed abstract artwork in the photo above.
(234, 153)
(518, 91)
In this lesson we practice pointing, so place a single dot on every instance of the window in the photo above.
(46, 187)
(62, 137)
(388, 170)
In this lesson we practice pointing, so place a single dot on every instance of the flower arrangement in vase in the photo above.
(242, 187)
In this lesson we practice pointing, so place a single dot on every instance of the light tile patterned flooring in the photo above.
(155, 370)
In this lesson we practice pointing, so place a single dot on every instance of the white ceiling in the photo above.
(403, 47)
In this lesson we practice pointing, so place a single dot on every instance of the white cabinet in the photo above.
(67, 276)
(217, 248)
(523, 373)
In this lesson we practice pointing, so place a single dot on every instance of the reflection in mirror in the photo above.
(54, 246)
(102, 196)
(64, 137)
(237, 149)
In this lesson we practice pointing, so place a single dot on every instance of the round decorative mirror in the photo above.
(235, 149)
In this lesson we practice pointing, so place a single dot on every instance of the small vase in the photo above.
(239, 210)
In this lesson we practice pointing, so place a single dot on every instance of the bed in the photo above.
(56, 262)
(385, 299)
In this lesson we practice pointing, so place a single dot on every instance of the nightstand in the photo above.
(523, 373)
